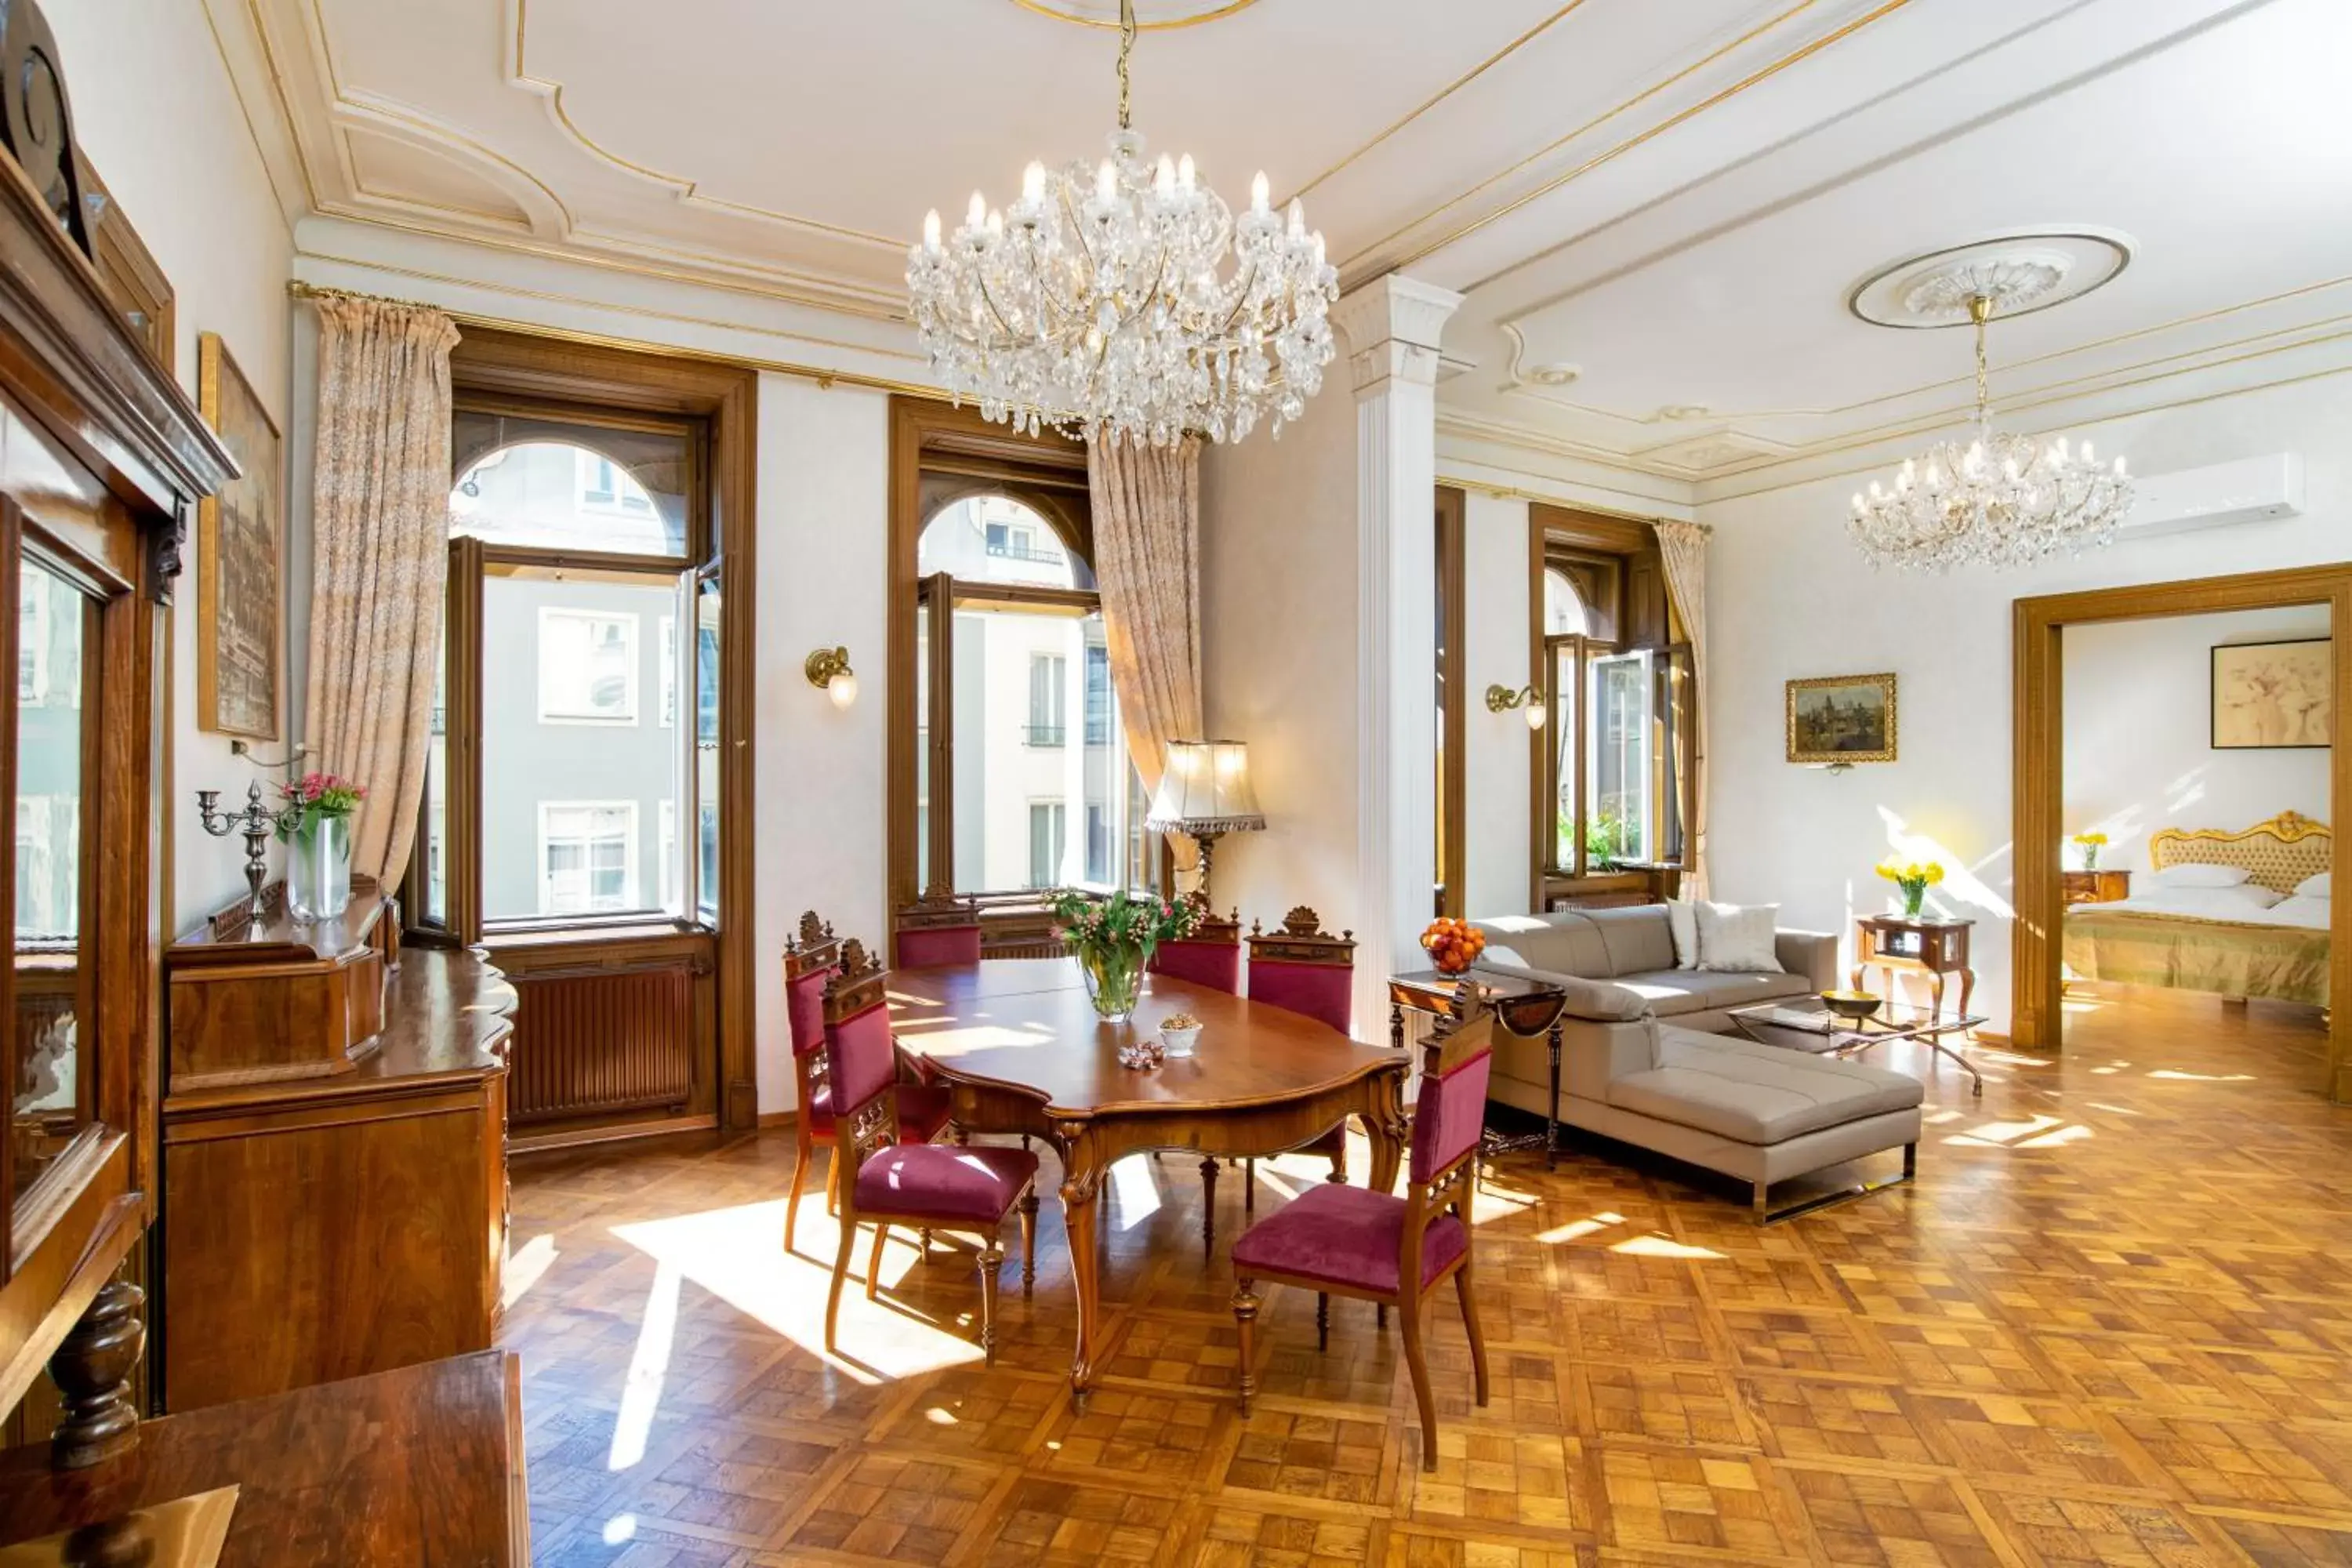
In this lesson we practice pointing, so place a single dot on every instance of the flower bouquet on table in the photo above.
(314, 823)
(1915, 880)
(1114, 938)
(2089, 845)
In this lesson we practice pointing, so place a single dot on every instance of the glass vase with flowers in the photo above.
(2088, 846)
(1914, 880)
(1114, 938)
(314, 823)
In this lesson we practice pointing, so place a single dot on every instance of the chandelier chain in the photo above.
(1126, 48)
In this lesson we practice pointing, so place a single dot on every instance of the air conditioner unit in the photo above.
(2251, 490)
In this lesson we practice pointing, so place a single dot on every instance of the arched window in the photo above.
(1564, 614)
(995, 539)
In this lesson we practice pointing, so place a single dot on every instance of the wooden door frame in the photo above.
(2038, 781)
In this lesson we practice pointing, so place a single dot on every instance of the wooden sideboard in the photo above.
(349, 1220)
(420, 1465)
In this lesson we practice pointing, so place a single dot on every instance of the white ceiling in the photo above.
(1672, 196)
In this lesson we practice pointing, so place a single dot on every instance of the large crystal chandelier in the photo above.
(1098, 303)
(1999, 500)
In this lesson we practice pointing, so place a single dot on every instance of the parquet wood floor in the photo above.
(2110, 1324)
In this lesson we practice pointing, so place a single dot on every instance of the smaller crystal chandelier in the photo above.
(1098, 303)
(2002, 500)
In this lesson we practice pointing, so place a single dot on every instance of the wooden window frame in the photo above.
(525, 375)
(1453, 693)
(941, 455)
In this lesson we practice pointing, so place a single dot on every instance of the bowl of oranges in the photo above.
(1454, 945)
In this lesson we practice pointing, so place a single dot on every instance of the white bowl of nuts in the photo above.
(1178, 1031)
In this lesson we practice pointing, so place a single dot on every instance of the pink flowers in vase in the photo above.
(314, 798)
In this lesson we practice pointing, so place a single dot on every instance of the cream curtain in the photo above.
(380, 528)
(1147, 525)
(1683, 546)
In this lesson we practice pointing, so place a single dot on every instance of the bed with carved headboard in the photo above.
(2230, 942)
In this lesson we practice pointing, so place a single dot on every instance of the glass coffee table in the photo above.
(1806, 1023)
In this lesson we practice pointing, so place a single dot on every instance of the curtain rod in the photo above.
(297, 288)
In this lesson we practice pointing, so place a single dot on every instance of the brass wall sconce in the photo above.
(1502, 699)
(828, 671)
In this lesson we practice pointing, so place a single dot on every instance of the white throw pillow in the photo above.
(1682, 919)
(2314, 886)
(2216, 904)
(1738, 941)
(2194, 875)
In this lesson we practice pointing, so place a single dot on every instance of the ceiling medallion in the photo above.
(1100, 304)
(2001, 499)
(1159, 16)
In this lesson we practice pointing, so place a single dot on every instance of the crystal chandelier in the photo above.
(2000, 500)
(1100, 304)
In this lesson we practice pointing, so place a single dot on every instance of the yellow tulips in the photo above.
(1914, 878)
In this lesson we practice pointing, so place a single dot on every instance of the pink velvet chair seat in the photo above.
(1216, 964)
(931, 1182)
(939, 945)
(1345, 1236)
(1321, 991)
(922, 1110)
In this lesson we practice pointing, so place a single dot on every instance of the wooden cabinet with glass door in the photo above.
(101, 458)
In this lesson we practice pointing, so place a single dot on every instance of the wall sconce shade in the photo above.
(828, 671)
(1502, 699)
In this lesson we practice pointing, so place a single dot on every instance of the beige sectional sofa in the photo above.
(1651, 1056)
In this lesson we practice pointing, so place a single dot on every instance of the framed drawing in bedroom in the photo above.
(2274, 696)
(241, 556)
(1841, 718)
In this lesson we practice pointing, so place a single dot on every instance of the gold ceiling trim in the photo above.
(1554, 146)
(245, 110)
(1448, 90)
(688, 188)
(1053, 12)
(285, 101)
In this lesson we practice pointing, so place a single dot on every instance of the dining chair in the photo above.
(938, 928)
(917, 1185)
(811, 958)
(1300, 968)
(1378, 1247)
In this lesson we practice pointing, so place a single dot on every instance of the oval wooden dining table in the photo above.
(1018, 1045)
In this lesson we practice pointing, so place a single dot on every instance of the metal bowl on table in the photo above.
(1855, 1005)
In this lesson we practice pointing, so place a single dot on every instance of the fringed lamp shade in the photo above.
(1205, 791)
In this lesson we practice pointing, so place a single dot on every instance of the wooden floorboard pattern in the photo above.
(2110, 1324)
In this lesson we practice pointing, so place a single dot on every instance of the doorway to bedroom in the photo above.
(2196, 880)
(2175, 752)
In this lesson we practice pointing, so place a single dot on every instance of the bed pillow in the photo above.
(2312, 914)
(2215, 903)
(2196, 875)
(2313, 887)
(1682, 919)
(1732, 940)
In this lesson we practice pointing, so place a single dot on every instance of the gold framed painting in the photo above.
(2274, 696)
(241, 556)
(1841, 718)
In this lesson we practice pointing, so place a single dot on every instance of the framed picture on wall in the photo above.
(2274, 695)
(240, 535)
(1841, 718)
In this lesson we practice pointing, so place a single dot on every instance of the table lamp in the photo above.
(1204, 794)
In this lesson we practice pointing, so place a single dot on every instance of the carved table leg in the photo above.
(1209, 1207)
(1396, 1025)
(1081, 1183)
(92, 1369)
(1551, 1106)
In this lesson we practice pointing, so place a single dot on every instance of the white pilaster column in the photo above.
(1392, 328)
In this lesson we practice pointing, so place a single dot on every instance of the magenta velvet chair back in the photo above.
(1450, 1114)
(939, 929)
(861, 1063)
(810, 959)
(1210, 956)
(1301, 969)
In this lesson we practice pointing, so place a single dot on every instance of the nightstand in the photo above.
(2094, 886)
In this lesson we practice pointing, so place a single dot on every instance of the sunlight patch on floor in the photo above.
(2034, 1132)
(648, 1370)
(1656, 1246)
(1134, 1190)
(525, 1264)
(738, 1254)
(2177, 1076)
(1576, 1230)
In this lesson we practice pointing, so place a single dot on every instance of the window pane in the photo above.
(552, 485)
(923, 746)
(1563, 731)
(991, 539)
(1018, 676)
(1563, 606)
(567, 658)
(707, 608)
(436, 794)
(53, 1098)
(1617, 751)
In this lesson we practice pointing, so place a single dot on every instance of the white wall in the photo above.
(1280, 656)
(821, 827)
(1788, 596)
(2139, 752)
(1495, 754)
(154, 111)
